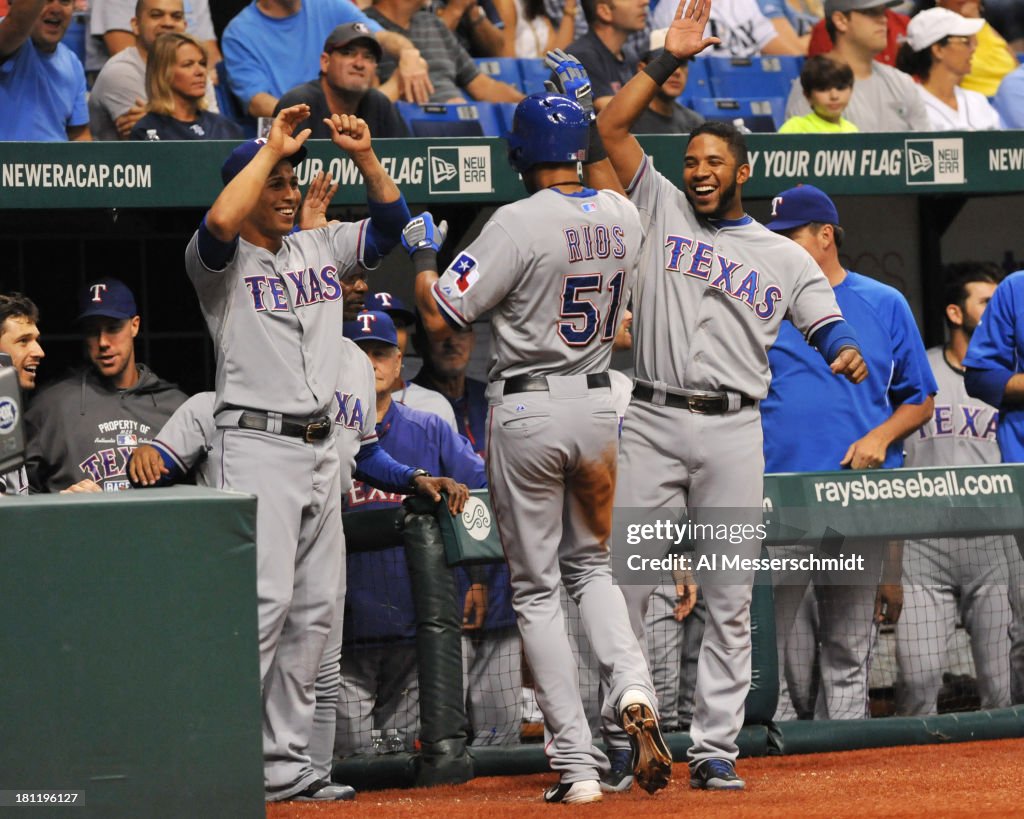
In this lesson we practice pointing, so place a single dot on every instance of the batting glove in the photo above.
(573, 81)
(420, 233)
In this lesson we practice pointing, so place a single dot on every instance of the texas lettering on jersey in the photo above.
(962, 421)
(311, 287)
(361, 494)
(698, 260)
(108, 465)
(350, 410)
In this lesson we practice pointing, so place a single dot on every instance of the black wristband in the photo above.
(662, 67)
(417, 473)
(595, 146)
(425, 259)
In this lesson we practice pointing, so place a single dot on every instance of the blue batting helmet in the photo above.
(547, 128)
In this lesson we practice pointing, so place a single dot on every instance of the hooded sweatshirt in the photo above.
(82, 427)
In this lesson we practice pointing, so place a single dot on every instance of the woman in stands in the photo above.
(938, 51)
(176, 86)
(529, 32)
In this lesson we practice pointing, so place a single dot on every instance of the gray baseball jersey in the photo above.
(962, 432)
(558, 270)
(276, 319)
(355, 408)
(276, 322)
(711, 295)
(187, 434)
(944, 575)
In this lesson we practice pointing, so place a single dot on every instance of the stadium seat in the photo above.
(759, 114)
(697, 83)
(752, 77)
(503, 69)
(533, 72)
(506, 110)
(78, 31)
(455, 119)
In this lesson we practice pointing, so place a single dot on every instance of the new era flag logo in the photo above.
(441, 171)
(935, 161)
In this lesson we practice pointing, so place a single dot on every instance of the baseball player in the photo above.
(182, 447)
(994, 372)
(378, 662)
(85, 426)
(712, 290)
(19, 339)
(946, 575)
(555, 269)
(272, 302)
(860, 427)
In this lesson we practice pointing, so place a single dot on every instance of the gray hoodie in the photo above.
(81, 427)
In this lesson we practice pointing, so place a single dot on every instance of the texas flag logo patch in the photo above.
(466, 272)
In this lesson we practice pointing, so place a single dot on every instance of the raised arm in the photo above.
(16, 27)
(230, 209)
(684, 39)
(352, 135)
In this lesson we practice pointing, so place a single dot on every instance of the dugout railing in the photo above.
(799, 508)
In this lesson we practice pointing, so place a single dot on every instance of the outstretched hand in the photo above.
(313, 213)
(420, 233)
(573, 81)
(280, 138)
(685, 36)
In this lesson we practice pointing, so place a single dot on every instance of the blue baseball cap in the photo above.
(371, 325)
(107, 297)
(392, 305)
(800, 206)
(243, 154)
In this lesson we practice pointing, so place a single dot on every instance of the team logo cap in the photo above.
(243, 154)
(107, 297)
(800, 206)
(371, 325)
(393, 306)
(350, 32)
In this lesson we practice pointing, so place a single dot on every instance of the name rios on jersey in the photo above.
(311, 287)
(699, 261)
(589, 242)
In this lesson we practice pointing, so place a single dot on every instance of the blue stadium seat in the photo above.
(533, 72)
(454, 119)
(697, 83)
(759, 114)
(754, 76)
(506, 111)
(78, 31)
(503, 69)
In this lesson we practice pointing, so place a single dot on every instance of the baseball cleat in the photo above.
(715, 775)
(652, 760)
(323, 791)
(574, 793)
(620, 778)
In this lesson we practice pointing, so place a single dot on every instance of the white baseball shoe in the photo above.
(652, 760)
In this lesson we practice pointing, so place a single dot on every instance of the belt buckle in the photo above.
(317, 431)
(704, 404)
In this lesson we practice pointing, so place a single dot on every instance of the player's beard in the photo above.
(726, 199)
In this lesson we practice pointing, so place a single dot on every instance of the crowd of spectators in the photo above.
(925, 65)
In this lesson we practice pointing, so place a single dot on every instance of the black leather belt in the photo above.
(539, 383)
(305, 429)
(709, 404)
